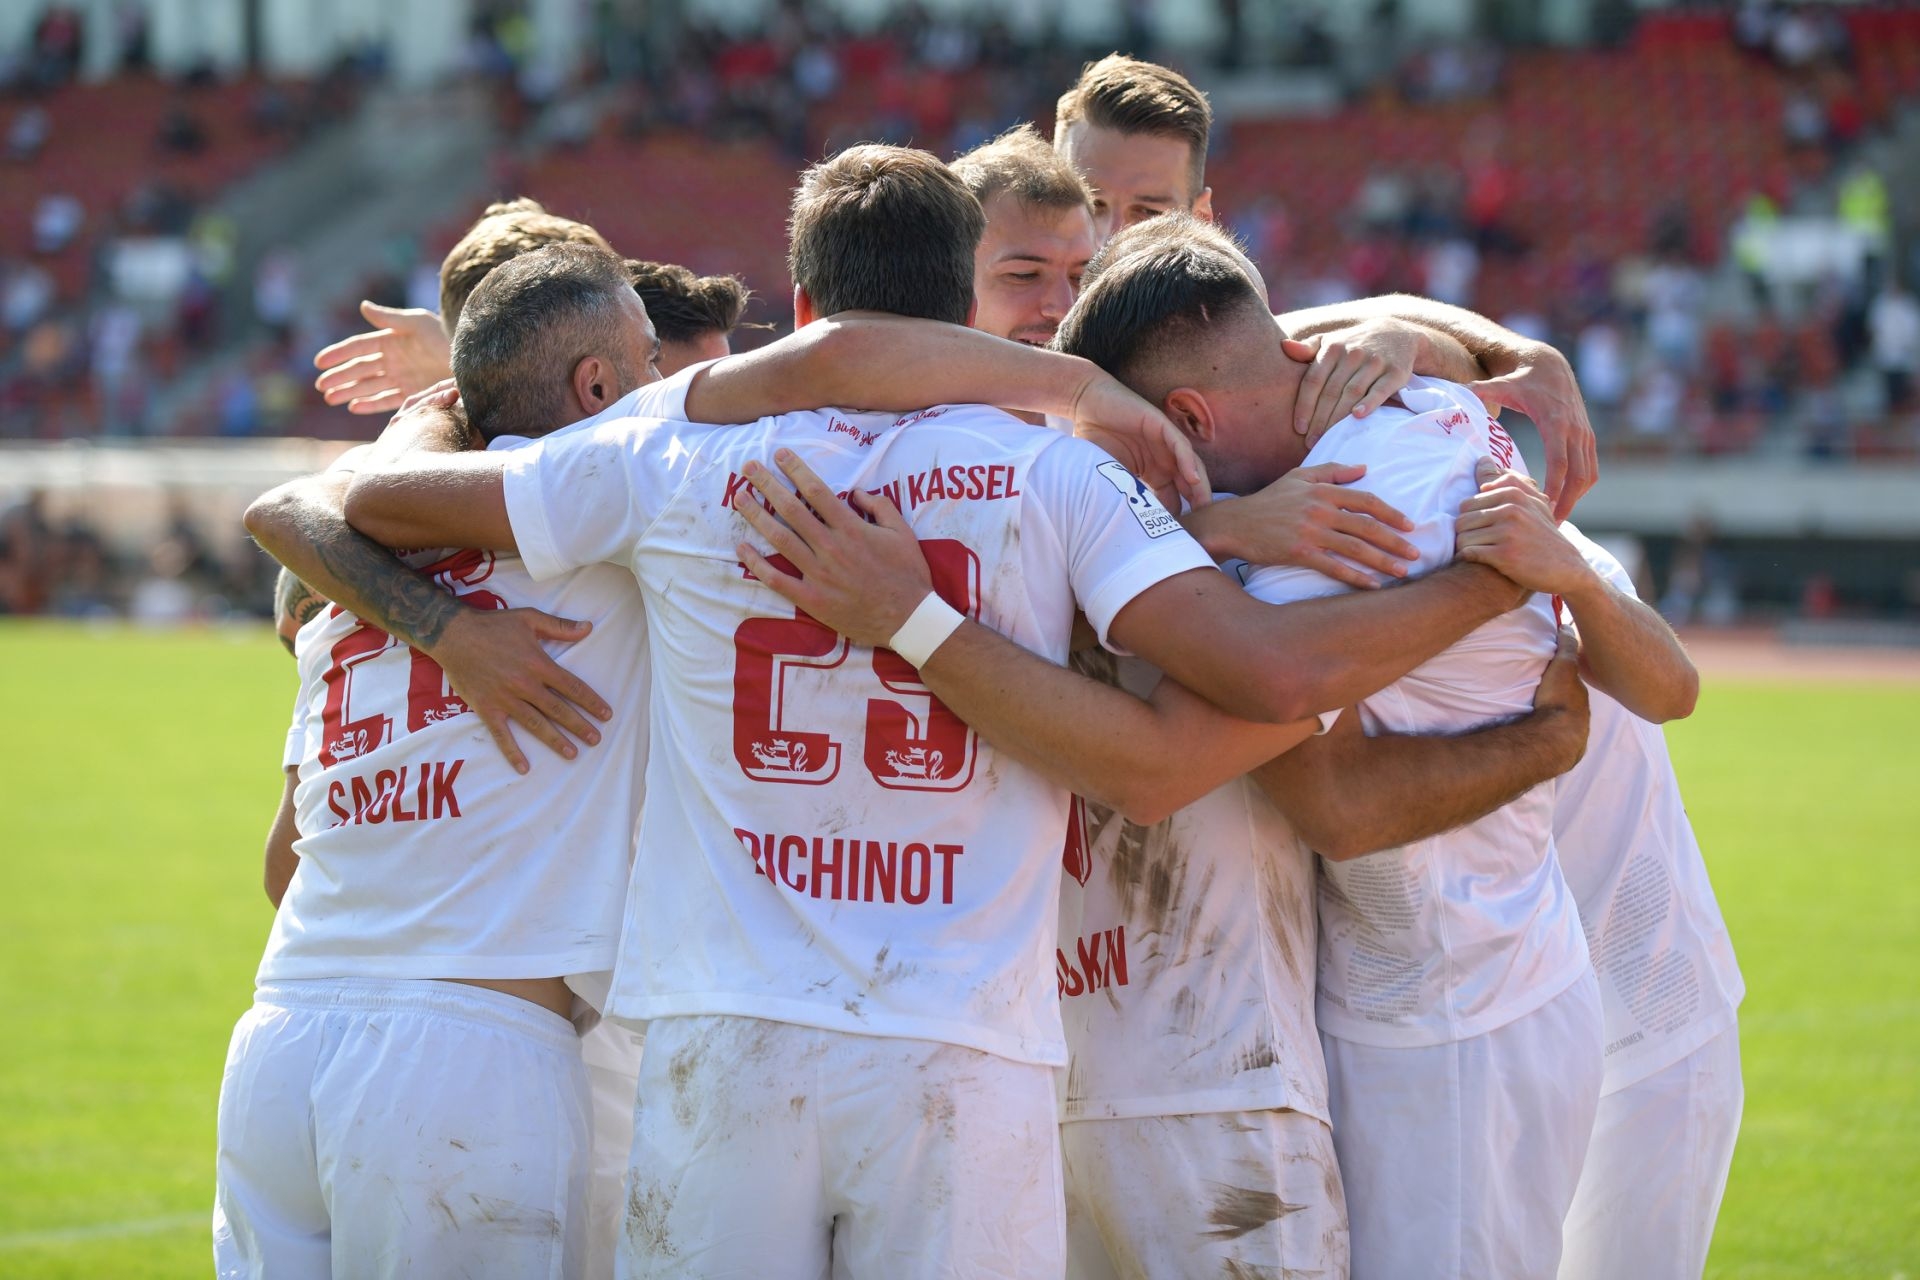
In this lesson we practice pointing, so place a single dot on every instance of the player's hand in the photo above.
(863, 580)
(1142, 439)
(1310, 519)
(497, 661)
(373, 372)
(1561, 703)
(1350, 371)
(1537, 380)
(1509, 525)
(432, 419)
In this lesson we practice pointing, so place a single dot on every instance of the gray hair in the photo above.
(524, 329)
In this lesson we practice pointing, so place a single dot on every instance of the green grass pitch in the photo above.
(138, 772)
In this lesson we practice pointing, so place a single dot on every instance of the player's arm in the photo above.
(860, 360)
(1348, 795)
(1626, 647)
(1143, 758)
(1286, 662)
(294, 605)
(494, 659)
(281, 860)
(1522, 374)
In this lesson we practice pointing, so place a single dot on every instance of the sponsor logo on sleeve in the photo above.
(1140, 500)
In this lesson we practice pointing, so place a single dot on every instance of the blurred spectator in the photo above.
(25, 294)
(1894, 323)
(276, 292)
(164, 596)
(57, 219)
(28, 132)
(181, 131)
(1602, 364)
(84, 585)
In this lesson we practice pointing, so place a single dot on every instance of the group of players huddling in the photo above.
(1020, 858)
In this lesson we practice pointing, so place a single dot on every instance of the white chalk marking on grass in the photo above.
(106, 1231)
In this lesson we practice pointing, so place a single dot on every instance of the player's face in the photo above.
(640, 345)
(675, 356)
(1135, 176)
(1026, 272)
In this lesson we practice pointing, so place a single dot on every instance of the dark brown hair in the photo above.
(880, 228)
(684, 306)
(1131, 96)
(1022, 162)
(504, 231)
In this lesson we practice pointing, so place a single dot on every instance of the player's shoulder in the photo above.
(1429, 421)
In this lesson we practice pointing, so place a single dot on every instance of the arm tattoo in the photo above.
(294, 601)
(403, 602)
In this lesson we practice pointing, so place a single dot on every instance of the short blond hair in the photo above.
(1130, 96)
(503, 232)
(1022, 163)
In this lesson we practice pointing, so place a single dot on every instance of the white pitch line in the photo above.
(106, 1231)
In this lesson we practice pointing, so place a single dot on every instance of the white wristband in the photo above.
(926, 629)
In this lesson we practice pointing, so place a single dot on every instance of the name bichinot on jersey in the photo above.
(975, 482)
(421, 792)
(846, 869)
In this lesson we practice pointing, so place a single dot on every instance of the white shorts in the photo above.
(1657, 1168)
(1460, 1159)
(1239, 1193)
(611, 1053)
(406, 1127)
(768, 1151)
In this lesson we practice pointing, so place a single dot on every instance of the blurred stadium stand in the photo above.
(1710, 208)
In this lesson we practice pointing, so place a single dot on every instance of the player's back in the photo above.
(1455, 935)
(423, 854)
(827, 844)
(1186, 959)
(1668, 978)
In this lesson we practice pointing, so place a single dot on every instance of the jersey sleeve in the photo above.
(296, 749)
(586, 495)
(667, 398)
(1600, 560)
(1118, 539)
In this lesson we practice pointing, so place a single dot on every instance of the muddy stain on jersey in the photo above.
(1235, 1211)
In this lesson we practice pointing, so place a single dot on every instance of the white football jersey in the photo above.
(1449, 937)
(1186, 958)
(825, 843)
(1668, 979)
(423, 855)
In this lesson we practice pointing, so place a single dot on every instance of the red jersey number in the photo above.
(349, 726)
(912, 742)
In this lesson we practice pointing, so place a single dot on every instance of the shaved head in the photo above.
(1165, 313)
(1173, 312)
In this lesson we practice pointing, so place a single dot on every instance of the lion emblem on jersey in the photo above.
(351, 743)
(916, 762)
(780, 753)
(447, 710)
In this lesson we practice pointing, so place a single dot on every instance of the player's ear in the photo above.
(803, 312)
(1190, 412)
(594, 386)
(1203, 205)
